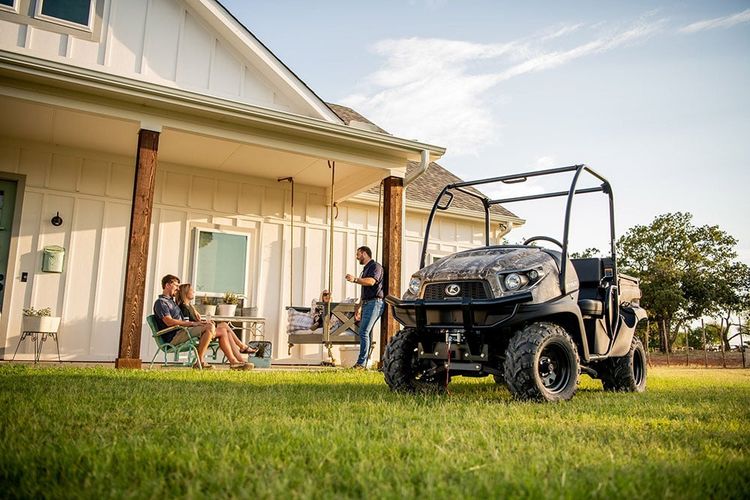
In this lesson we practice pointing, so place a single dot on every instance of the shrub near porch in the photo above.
(96, 432)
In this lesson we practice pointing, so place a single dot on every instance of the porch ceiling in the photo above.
(31, 121)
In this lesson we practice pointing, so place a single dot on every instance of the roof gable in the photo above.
(193, 45)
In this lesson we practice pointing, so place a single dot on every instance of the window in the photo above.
(220, 262)
(73, 13)
(8, 5)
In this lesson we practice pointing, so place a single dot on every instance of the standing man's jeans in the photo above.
(371, 312)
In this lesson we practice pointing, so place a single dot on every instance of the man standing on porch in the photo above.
(371, 301)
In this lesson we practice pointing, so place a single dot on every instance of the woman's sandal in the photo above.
(241, 366)
(248, 350)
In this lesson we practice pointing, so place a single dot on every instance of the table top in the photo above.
(248, 319)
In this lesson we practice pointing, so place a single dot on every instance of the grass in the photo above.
(96, 432)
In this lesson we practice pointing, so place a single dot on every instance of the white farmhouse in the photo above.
(140, 125)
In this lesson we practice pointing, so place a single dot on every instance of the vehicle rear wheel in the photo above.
(405, 372)
(541, 363)
(626, 373)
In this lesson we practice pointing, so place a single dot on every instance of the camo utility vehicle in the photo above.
(530, 316)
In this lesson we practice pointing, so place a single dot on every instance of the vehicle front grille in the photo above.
(471, 289)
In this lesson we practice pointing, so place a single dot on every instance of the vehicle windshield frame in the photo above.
(487, 203)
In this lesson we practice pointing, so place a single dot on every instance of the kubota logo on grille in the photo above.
(452, 290)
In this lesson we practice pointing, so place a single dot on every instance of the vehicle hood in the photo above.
(487, 262)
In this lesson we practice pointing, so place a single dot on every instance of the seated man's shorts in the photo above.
(182, 336)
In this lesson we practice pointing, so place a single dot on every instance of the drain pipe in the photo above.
(420, 170)
(424, 162)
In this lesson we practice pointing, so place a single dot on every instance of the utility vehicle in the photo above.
(531, 317)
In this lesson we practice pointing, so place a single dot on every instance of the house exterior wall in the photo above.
(165, 42)
(92, 192)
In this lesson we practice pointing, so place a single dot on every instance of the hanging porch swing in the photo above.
(343, 331)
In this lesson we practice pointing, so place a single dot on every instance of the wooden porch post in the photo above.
(393, 190)
(129, 355)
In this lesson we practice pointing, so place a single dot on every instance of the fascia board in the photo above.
(57, 74)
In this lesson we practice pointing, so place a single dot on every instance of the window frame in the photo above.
(10, 8)
(249, 260)
(63, 22)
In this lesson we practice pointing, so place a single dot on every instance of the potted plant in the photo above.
(40, 320)
(229, 305)
(207, 306)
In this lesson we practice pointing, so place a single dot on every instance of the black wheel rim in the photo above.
(554, 368)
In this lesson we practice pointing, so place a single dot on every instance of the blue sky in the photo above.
(652, 95)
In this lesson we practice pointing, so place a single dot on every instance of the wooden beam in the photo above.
(393, 190)
(129, 355)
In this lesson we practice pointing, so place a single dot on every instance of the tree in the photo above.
(587, 253)
(677, 263)
(713, 336)
(732, 296)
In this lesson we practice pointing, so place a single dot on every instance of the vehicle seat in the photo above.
(590, 298)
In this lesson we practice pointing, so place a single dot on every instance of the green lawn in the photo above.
(96, 432)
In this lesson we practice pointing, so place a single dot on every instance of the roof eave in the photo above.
(22, 67)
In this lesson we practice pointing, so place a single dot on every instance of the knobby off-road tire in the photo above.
(541, 364)
(626, 373)
(402, 369)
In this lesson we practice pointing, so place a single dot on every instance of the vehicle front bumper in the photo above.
(465, 314)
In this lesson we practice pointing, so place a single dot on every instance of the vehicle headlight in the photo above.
(513, 282)
(414, 285)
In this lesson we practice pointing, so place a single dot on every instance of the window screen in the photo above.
(74, 11)
(9, 3)
(220, 262)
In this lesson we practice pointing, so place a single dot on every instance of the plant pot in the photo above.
(47, 324)
(207, 309)
(227, 309)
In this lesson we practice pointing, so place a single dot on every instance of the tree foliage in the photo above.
(685, 270)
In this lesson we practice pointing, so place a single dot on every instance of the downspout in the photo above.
(424, 162)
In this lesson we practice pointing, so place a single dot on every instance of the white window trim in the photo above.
(439, 254)
(62, 22)
(10, 8)
(249, 235)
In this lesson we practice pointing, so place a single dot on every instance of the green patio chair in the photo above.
(190, 346)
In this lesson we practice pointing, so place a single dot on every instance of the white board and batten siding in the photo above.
(92, 192)
(165, 42)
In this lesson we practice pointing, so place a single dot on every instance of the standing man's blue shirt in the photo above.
(375, 271)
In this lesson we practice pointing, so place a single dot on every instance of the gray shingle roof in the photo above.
(427, 186)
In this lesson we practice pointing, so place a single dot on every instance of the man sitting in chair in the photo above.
(168, 314)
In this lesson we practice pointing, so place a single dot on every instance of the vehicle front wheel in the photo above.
(626, 373)
(541, 363)
(405, 372)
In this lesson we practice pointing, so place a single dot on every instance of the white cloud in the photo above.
(441, 91)
(718, 22)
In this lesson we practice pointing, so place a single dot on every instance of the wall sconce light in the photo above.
(56, 220)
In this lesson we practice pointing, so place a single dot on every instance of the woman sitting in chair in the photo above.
(185, 295)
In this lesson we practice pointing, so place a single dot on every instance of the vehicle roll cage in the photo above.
(523, 177)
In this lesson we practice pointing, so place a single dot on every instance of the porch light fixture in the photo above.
(56, 220)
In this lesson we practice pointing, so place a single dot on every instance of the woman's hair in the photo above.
(182, 292)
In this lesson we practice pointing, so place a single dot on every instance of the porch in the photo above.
(135, 172)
